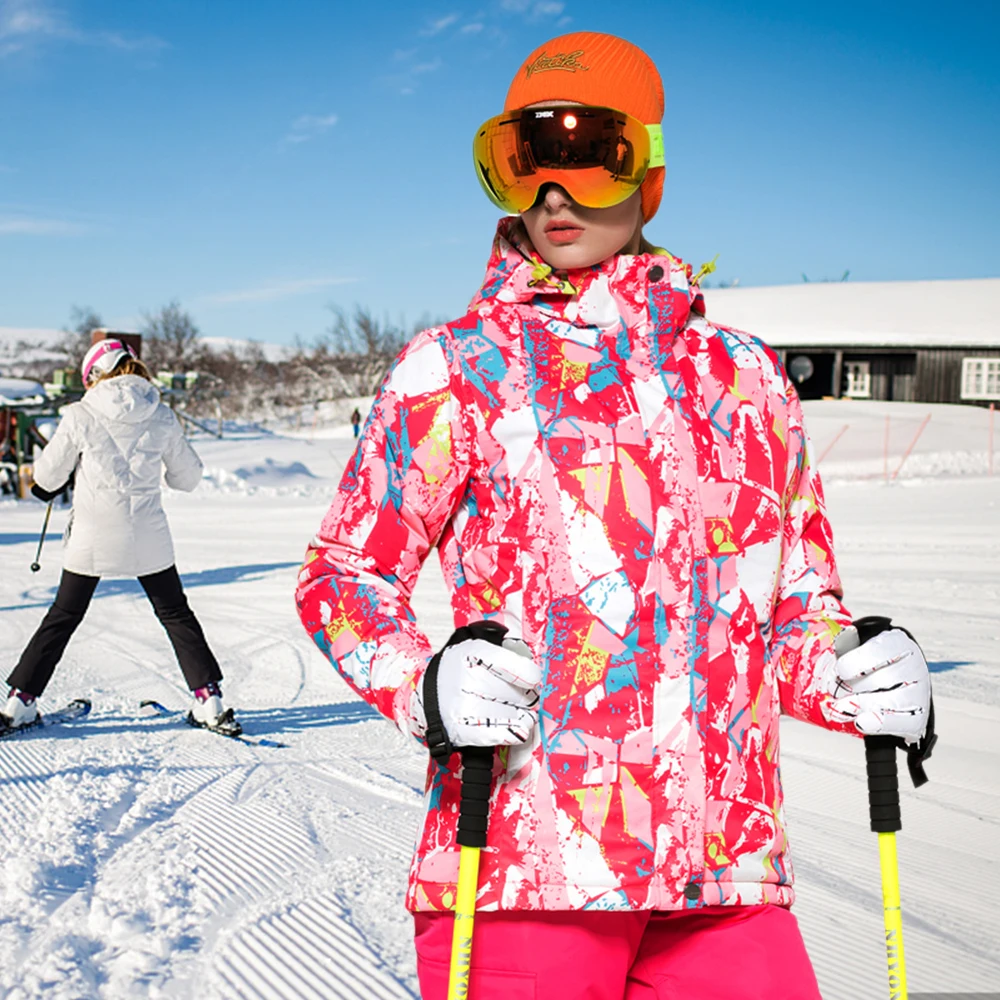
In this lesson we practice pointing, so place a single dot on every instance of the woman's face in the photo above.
(568, 235)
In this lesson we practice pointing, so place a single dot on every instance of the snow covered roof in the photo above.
(12, 389)
(927, 314)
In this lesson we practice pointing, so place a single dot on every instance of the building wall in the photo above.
(939, 374)
(919, 376)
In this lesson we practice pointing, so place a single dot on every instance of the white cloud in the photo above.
(534, 9)
(427, 67)
(307, 127)
(437, 26)
(473, 28)
(273, 292)
(26, 226)
(25, 24)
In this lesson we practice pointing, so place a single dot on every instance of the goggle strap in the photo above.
(656, 157)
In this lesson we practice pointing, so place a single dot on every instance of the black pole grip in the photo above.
(477, 770)
(883, 784)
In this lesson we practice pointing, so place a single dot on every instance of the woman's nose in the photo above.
(556, 198)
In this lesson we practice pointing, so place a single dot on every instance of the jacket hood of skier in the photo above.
(128, 398)
(119, 439)
(629, 489)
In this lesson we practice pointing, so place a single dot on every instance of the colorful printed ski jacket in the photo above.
(629, 489)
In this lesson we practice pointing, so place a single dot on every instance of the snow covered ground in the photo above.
(142, 858)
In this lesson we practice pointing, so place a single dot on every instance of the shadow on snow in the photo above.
(255, 721)
(204, 578)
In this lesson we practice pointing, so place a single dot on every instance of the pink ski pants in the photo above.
(713, 953)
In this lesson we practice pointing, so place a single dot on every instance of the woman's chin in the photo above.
(569, 257)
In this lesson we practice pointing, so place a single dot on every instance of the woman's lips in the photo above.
(562, 232)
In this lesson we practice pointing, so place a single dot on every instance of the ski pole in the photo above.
(473, 817)
(36, 565)
(884, 812)
(474, 805)
(883, 804)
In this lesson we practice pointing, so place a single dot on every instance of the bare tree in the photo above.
(362, 347)
(363, 334)
(76, 340)
(170, 339)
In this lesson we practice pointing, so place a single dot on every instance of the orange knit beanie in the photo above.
(594, 68)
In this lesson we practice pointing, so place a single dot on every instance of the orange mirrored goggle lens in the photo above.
(599, 155)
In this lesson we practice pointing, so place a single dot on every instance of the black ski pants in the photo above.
(165, 593)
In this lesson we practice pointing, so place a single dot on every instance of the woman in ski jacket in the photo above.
(628, 488)
(117, 442)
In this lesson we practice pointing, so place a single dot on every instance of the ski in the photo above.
(161, 711)
(76, 709)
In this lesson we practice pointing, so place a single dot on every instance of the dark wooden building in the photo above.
(911, 341)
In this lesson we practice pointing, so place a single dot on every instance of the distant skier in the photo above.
(627, 488)
(118, 439)
(356, 421)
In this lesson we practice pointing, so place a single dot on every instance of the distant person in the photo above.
(621, 152)
(8, 469)
(356, 421)
(118, 440)
(627, 488)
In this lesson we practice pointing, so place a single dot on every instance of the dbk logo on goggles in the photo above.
(599, 155)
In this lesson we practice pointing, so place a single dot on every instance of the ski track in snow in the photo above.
(142, 858)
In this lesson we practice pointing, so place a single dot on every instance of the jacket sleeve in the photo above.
(403, 485)
(808, 613)
(59, 457)
(181, 461)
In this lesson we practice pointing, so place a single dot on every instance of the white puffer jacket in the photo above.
(119, 438)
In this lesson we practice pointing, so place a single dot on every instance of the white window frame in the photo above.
(859, 379)
(981, 378)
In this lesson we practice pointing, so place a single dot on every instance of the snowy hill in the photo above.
(143, 858)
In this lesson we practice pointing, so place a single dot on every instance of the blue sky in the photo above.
(259, 161)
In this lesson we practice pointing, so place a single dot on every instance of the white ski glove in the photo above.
(882, 685)
(487, 694)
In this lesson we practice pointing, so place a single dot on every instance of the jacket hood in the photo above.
(128, 398)
(589, 296)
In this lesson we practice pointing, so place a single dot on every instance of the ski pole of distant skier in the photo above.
(884, 812)
(473, 816)
(36, 565)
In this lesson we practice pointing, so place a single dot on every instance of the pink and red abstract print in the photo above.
(628, 488)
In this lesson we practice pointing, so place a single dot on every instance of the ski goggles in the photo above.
(599, 155)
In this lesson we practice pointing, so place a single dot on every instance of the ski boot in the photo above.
(20, 711)
(208, 712)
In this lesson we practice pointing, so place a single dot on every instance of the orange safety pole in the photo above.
(906, 454)
(829, 447)
(992, 410)
(885, 451)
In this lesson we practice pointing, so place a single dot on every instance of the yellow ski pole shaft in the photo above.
(883, 807)
(477, 768)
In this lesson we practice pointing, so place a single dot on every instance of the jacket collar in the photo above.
(622, 284)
